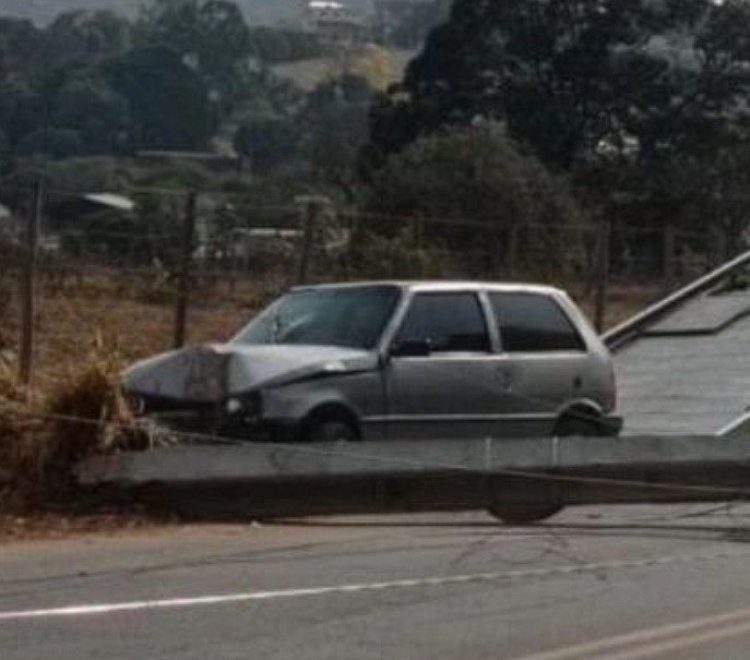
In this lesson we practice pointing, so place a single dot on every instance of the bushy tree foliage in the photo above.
(475, 173)
(336, 116)
(91, 82)
(268, 142)
(274, 45)
(210, 35)
(170, 106)
(479, 191)
(566, 75)
(82, 38)
(18, 46)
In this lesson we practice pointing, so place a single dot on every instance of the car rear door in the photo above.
(452, 389)
(545, 359)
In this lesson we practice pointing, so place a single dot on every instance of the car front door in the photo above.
(441, 375)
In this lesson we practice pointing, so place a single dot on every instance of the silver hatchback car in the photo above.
(392, 360)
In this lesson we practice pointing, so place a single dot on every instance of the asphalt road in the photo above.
(617, 583)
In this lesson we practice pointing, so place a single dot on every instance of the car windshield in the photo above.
(351, 317)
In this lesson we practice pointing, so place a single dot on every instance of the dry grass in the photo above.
(71, 320)
(622, 302)
(43, 435)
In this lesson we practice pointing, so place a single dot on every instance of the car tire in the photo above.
(574, 423)
(329, 430)
(584, 424)
(523, 514)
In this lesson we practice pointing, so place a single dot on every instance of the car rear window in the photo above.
(529, 322)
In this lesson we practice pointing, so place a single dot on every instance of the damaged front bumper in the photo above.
(237, 418)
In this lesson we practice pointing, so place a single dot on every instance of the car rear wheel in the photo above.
(580, 423)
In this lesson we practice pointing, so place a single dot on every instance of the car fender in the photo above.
(294, 402)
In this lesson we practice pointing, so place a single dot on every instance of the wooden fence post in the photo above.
(186, 262)
(312, 208)
(668, 257)
(28, 285)
(512, 250)
(602, 273)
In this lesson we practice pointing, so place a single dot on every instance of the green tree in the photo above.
(19, 41)
(484, 186)
(268, 142)
(54, 100)
(53, 142)
(336, 117)
(210, 35)
(169, 103)
(23, 109)
(566, 75)
(5, 153)
(274, 45)
(90, 106)
(82, 37)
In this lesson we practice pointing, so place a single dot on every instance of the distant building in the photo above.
(336, 22)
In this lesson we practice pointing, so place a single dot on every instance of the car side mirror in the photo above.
(411, 348)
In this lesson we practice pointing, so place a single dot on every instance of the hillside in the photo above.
(257, 11)
(307, 74)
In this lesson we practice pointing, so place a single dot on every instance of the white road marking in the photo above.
(653, 641)
(250, 596)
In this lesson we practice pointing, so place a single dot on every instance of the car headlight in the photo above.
(246, 405)
(233, 406)
(136, 404)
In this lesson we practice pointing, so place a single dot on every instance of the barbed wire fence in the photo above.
(177, 252)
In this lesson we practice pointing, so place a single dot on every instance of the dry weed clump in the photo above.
(89, 412)
(23, 453)
(42, 441)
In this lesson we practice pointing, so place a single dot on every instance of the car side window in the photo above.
(529, 322)
(448, 322)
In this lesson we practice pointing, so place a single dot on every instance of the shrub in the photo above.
(42, 442)
(474, 189)
(374, 256)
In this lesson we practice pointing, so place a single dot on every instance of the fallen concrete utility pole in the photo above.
(329, 478)
(621, 334)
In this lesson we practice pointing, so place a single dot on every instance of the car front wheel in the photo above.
(329, 430)
(523, 514)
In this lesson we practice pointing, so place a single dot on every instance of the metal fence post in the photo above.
(28, 285)
(186, 261)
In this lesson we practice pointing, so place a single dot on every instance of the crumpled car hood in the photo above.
(212, 372)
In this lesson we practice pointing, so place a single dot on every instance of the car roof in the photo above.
(441, 285)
